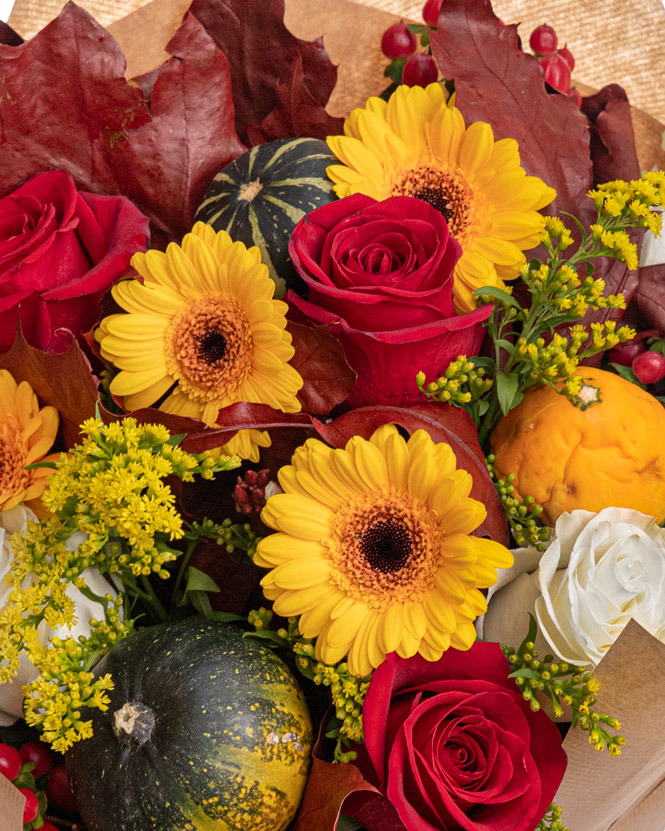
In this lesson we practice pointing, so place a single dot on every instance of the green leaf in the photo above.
(525, 673)
(483, 406)
(482, 362)
(201, 602)
(175, 440)
(266, 635)
(658, 346)
(506, 390)
(51, 465)
(506, 344)
(531, 634)
(577, 223)
(416, 28)
(345, 823)
(394, 70)
(228, 617)
(497, 294)
(199, 581)
(424, 39)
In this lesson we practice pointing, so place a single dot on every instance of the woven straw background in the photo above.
(612, 40)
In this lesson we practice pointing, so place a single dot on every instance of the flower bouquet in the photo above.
(332, 480)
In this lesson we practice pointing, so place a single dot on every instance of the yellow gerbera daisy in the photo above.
(203, 325)
(27, 433)
(374, 551)
(416, 144)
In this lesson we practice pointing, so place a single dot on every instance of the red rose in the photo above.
(381, 274)
(59, 252)
(454, 745)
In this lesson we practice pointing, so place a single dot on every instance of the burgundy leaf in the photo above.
(8, 36)
(444, 424)
(69, 107)
(65, 99)
(189, 139)
(199, 437)
(498, 83)
(261, 52)
(320, 360)
(297, 114)
(613, 151)
(64, 381)
(651, 295)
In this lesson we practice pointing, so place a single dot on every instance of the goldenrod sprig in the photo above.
(527, 349)
(522, 516)
(552, 820)
(566, 686)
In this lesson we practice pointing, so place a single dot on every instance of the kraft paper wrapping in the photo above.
(611, 42)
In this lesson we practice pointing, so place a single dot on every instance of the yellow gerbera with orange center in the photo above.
(373, 549)
(416, 144)
(27, 434)
(203, 327)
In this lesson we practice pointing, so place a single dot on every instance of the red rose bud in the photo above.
(381, 275)
(452, 744)
(557, 71)
(249, 492)
(60, 250)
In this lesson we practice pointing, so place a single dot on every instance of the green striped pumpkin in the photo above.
(261, 196)
(206, 731)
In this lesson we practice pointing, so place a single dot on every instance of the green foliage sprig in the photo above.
(523, 516)
(566, 686)
(552, 820)
(527, 349)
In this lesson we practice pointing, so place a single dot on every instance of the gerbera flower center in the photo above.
(209, 347)
(446, 190)
(386, 548)
(13, 478)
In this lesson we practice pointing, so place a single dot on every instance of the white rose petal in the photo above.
(600, 571)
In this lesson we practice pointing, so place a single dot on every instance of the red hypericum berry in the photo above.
(575, 95)
(625, 353)
(58, 790)
(398, 42)
(39, 754)
(567, 55)
(431, 12)
(649, 367)
(419, 70)
(543, 39)
(557, 73)
(10, 761)
(31, 808)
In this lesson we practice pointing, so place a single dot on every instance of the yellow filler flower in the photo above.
(204, 327)
(27, 433)
(373, 549)
(416, 144)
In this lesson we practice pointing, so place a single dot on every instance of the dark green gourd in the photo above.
(261, 196)
(206, 731)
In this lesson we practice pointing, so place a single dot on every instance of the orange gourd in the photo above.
(592, 456)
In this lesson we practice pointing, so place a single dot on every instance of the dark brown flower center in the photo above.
(212, 347)
(445, 190)
(386, 546)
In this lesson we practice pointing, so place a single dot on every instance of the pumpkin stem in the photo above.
(136, 720)
(249, 190)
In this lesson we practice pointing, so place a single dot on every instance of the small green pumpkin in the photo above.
(206, 731)
(261, 196)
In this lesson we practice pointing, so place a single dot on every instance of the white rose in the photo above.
(601, 570)
(16, 519)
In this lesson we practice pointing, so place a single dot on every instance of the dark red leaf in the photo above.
(498, 83)
(8, 36)
(328, 786)
(613, 151)
(64, 381)
(651, 294)
(64, 96)
(320, 360)
(444, 424)
(166, 166)
(68, 107)
(297, 114)
(199, 437)
(261, 52)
